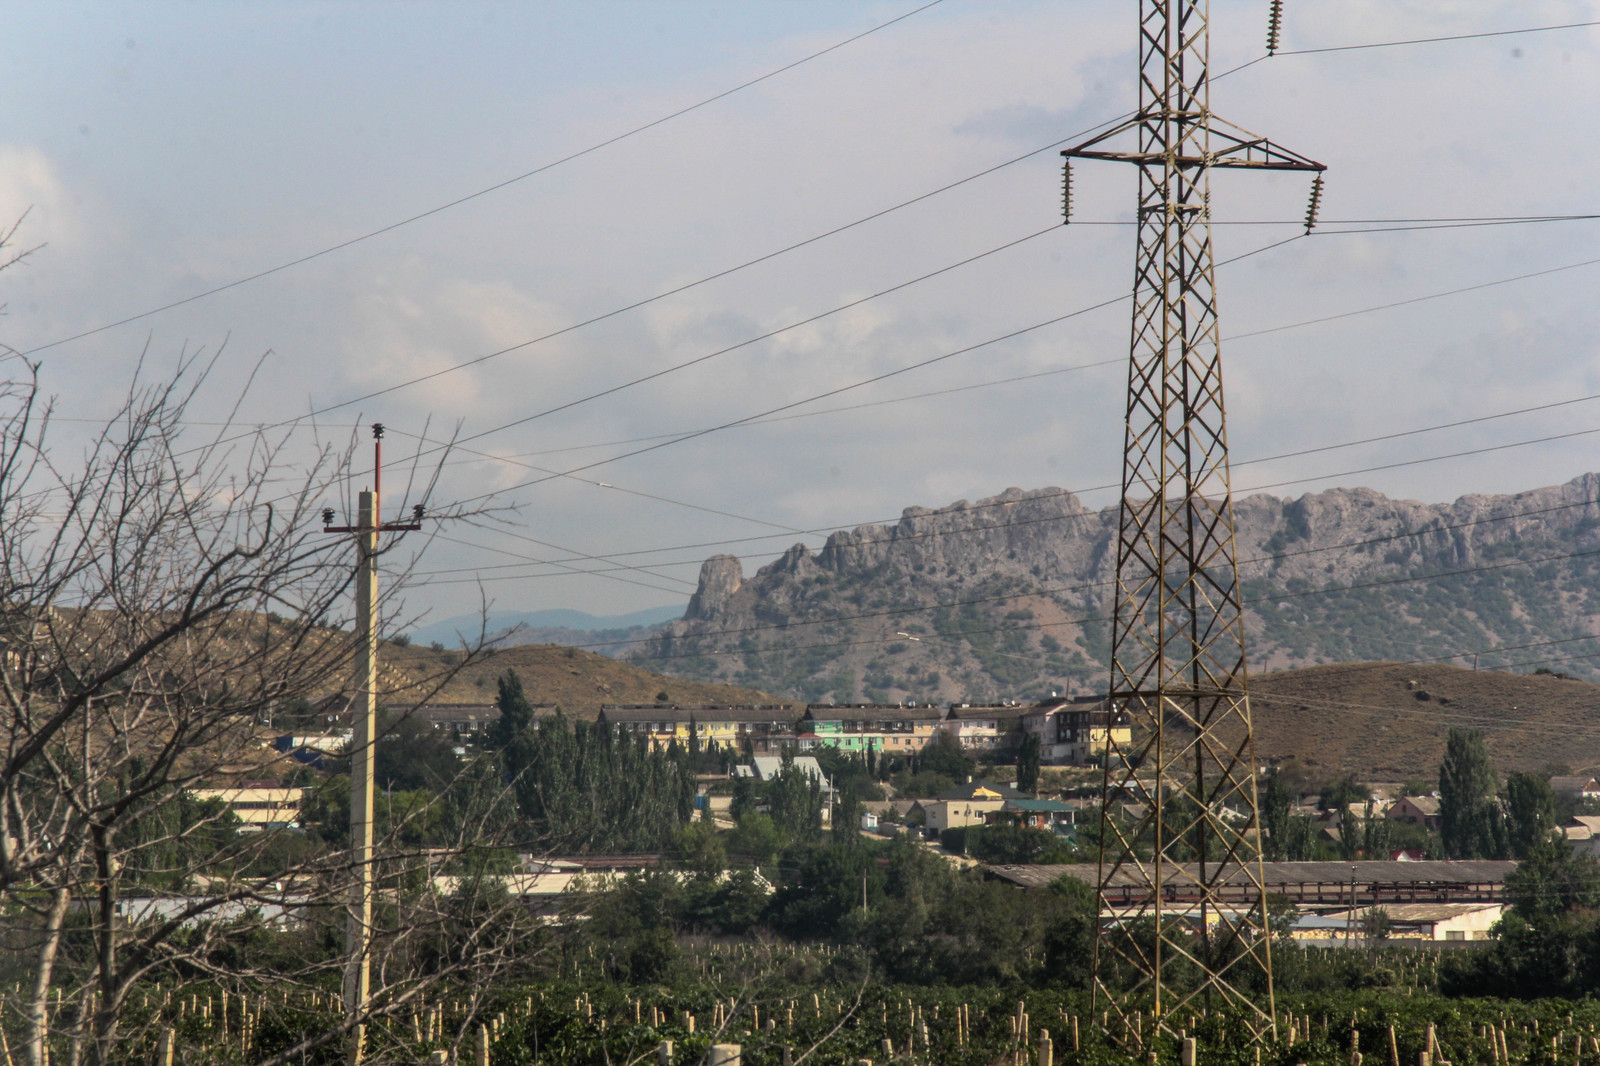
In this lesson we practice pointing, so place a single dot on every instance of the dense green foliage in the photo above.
(1471, 826)
(583, 788)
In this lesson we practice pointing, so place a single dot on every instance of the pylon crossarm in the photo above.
(1246, 149)
(1081, 151)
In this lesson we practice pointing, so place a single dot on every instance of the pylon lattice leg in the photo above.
(1183, 902)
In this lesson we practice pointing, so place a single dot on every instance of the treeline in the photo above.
(1478, 819)
(582, 788)
(897, 911)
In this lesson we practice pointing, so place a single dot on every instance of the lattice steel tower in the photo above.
(1183, 872)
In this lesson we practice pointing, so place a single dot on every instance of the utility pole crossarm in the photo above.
(358, 925)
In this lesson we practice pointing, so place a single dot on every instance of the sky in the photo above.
(161, 151)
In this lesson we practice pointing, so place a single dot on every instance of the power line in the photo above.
(514, 459)
(612, 390)
(1398, 464)
(645, 301)
(1430, 530)
(830, 392)
(901, 539)
(1415, 300)
(785, 407)
(1432, 40)
(649, 571)
(430, 212)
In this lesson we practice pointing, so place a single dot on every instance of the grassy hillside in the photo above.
(1388, 721)
(579, 681)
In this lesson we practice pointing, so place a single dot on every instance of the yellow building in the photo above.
(258, 808)
(742, 728)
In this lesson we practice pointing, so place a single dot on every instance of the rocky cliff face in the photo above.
(1008, 596)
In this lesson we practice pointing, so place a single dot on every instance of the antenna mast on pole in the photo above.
(1188, 859)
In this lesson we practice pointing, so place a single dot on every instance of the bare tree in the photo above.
(160, 599)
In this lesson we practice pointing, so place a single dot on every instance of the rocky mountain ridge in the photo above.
(1008, 596)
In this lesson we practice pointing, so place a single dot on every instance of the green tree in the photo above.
(1028, 764)
(1470, 823)
(1350, 834)
(700, 848)
(411, 754)
(1276, 801)
(944, 756)
(1377, 834)
(515, 712)
(755, 839)
(584, 788)
(1375, 923)
(1299, 839)
(794, 797)
(847, 818)
(1530, 812)
(1551, 881)
(1004, 843)
(744, 797)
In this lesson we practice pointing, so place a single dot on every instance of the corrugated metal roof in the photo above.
(871, 713)
(1460, 872)
(1417, 913)
(1037, 805)
(968, 713)
(664, 712)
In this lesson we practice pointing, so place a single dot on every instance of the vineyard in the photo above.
(785, 1006)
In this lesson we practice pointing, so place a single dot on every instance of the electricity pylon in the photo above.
(1189, 931)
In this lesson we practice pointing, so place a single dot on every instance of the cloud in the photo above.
(1430, 131)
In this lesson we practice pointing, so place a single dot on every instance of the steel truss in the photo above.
(1181, 817)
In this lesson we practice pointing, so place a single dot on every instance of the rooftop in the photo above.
(871, 712)
(1367, 872)
(672, 712)
(963, 712)
(975, 790)
(1420, 913)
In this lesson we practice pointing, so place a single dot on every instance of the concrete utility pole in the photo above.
(1177, 639)
(358, 925)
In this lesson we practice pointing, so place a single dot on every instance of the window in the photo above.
(1455, 934)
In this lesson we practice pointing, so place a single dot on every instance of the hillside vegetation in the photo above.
(579, 681)
(1388, 721)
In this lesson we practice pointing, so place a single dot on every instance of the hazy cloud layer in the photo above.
(167, 150)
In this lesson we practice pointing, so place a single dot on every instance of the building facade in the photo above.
(888, 729)
(1077, 731)
(754, 729)
(258, 808)
(994, 728)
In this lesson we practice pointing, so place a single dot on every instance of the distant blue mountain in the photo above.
(452, 631)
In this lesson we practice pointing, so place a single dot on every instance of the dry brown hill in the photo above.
(1388, 721)
(579, 681)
